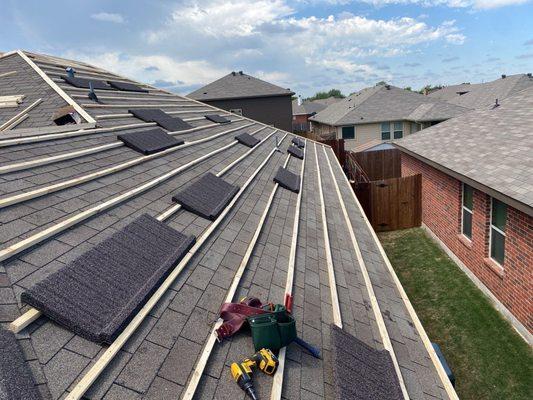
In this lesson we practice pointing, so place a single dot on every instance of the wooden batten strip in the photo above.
(146, 97)
(33, 314)
(96, 105)
(337, 319)
(9, 123)
(6, 74)
(129, 115)
(21, 197)
(277, 382)
(368, 283)
(88, 379)
(60, 157)
(16, 122)
(75, 219)
(57, 89)
(190, 390)
(412, 313)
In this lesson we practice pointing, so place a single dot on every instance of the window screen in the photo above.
(398, 130)
(348, 132)
(385, 131)
(497, 230)
(467, 209)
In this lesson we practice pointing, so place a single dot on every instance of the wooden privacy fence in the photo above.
(338, 148)
(380, 164)
(392, 204)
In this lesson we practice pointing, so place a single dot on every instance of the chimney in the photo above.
(504, 76)
(300, 100)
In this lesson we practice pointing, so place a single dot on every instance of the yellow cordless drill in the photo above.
(264, 360)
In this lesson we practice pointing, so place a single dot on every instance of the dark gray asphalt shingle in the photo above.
(247, 139)
(288, 179)
(86, 83)
(16, 380)
(360, 371)
(217, 118)
(207, 197)
(97, 294)
(150, 141)
(296, 152)
(127, 87)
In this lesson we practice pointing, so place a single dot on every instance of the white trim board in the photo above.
(516, 324)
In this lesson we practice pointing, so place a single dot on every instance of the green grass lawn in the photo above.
(489, 359)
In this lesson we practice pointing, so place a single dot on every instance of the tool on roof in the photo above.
(271, 325)
(92, 95)
(264, 360)
(70, 71)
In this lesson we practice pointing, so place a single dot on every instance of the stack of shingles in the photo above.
(360, 371)
(16, 380)
(99, 293)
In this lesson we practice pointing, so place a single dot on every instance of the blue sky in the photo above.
(306, 45)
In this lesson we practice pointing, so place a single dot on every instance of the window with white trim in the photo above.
(398, 130)
(385, 131)
(498, 220)
(467, 210)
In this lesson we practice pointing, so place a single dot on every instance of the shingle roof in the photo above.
(313, 106)
(483, 94)
(386, 103)
(238, 85)
(63, 193)
(491, 146)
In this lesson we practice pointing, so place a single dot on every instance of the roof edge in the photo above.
(56, 88)
(520, 206)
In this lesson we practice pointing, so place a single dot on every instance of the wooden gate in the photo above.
(392, 204)
(380, 164)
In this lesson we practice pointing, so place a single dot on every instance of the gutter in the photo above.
(526, 209)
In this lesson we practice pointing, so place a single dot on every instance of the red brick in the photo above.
(441, 212)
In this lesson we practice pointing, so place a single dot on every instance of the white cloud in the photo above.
(109, 17)
(153, 68)
(476, 4)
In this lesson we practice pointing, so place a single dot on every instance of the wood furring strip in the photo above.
(15, 118)
(448, 387)
(368, 283)
(337, 318)
(88, 379)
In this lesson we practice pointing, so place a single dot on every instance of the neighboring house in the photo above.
(478, 95)
(477, 196)
(63, 194)
(302, 111)
(382, 112)
(253, 98)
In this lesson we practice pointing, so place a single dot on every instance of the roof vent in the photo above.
(70, 71)
(92, 95)
(233, 73)
(387, 87)
(496, 104)
(504, 76)
(529, 74)
(240, 73)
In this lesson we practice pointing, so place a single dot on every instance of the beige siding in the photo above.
(364, 133)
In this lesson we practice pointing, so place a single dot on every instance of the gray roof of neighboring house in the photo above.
(90, 179)
(386, 103)
(309, 107)
(490, 148)
(238, 85)
(483, 94)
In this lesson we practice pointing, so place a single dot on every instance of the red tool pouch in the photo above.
(234, 315)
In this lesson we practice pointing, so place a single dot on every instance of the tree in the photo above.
(430, 88)
(324, 95)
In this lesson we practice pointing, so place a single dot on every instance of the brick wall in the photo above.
(441, 212)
